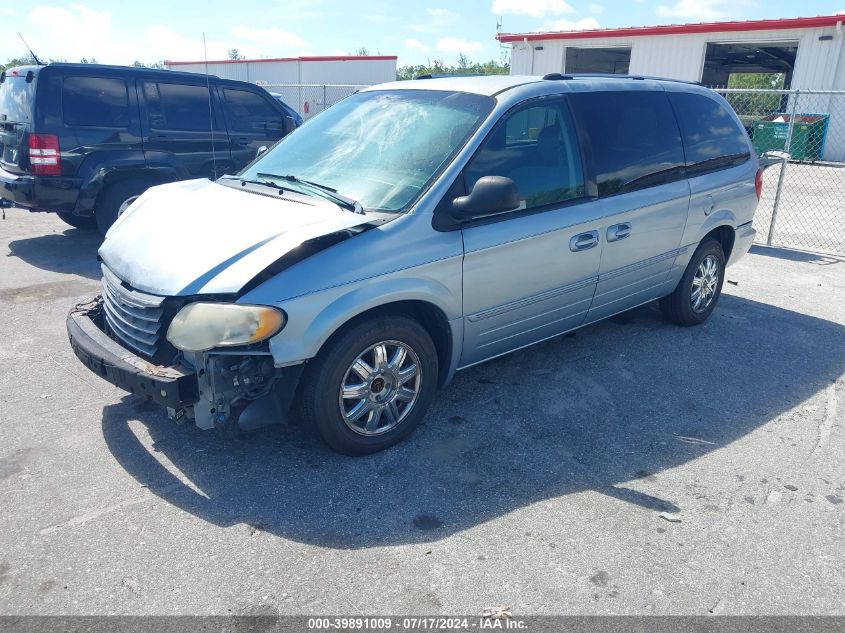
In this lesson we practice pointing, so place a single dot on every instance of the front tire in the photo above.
(371, 385)
(698, 292)
(86, 223)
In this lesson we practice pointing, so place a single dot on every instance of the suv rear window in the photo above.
(712, 139)
(178, 106)
(634, 139)
(16, 99)
(95, 102)
(248, 111)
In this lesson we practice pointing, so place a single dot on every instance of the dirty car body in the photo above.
(483, 214)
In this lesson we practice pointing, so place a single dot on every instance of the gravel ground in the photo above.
(539, 481)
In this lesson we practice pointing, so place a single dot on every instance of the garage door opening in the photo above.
(613, 61)
(749, 65)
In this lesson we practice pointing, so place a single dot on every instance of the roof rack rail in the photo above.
(447, 75)
(559, 76)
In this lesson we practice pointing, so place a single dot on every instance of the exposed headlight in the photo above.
(201, 326)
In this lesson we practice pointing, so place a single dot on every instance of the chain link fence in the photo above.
(311, 99)
(800, 134)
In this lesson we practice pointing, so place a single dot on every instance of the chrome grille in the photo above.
(134, 317)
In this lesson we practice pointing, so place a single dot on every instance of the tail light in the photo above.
(44, 154)
(758, 183)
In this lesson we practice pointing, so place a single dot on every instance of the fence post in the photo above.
(324, 96)
(786, 149)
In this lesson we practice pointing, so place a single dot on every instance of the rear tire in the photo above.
(698, 292)
(115, 196)
(393, 390)
(86, 223)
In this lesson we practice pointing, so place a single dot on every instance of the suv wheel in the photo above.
(371, 385)
(699, 290)
(115, 199)
(85, 223)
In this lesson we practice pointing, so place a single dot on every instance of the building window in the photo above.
(614, 61)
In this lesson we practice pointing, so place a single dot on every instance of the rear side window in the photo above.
(248, 111)
(177, 106)
(537, 148)
(634, 139)
(712, 139)
(95, 102)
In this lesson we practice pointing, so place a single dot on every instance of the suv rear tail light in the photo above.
(44, 154)
(758, 183)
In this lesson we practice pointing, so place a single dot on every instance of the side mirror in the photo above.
(489, 196)
(260, 151)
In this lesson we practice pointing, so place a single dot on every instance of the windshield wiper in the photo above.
(324, 190)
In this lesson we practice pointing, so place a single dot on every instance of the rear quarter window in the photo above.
(634, 139)
(712, 138)
(95, 102)
(173, 106)
(248, 111)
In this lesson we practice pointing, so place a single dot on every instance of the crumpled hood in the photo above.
(200, 237)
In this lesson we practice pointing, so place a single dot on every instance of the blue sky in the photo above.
(415, 30)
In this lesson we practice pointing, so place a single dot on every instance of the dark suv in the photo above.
(85, 140)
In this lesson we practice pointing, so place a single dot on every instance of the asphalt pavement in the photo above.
(633, 467)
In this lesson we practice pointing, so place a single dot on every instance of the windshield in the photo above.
(16, 99)
(380, 148)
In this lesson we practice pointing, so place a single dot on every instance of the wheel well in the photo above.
(725, 236)
(114, 177)
(426, 314)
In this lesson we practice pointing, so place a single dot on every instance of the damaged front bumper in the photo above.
(213, 389)
(173, 387)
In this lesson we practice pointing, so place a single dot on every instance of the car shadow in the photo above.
(820, 259)
(596, 410)
(73, 251)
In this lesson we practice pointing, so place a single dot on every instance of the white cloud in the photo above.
(75, 31)
(595, 8)
(273, 36)
(534, 8)
(441, 13)
(703, 9)
(584, 24)
(413, 44)
(7, 11)
(458, 45)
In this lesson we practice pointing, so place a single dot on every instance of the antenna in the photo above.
(37, 61)
(210, 108)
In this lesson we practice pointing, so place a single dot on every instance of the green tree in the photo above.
(26, 60)
(463, 67)
(234, 53)
(750, 106)
(157, 65)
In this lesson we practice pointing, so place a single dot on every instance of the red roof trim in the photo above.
(680, 29)
(327, 58)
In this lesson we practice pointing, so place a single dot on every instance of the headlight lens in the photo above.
(201, 326)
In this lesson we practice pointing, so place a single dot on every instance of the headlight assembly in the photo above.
(201, 326)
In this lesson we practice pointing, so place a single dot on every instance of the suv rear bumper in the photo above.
(174, 387)
(39, 193)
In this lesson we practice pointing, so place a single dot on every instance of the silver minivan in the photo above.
(412, 230)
